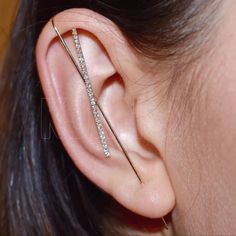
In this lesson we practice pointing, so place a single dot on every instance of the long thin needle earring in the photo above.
(82, 70)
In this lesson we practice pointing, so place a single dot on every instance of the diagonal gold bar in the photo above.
(63, 43)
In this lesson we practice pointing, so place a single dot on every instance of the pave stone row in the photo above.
(84, 72)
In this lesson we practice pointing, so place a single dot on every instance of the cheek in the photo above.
(201, 145)
(201, 153)
(221, 92)
(221, 133)
(221, 116)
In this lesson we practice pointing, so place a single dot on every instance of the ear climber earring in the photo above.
(82, 70)
(93, 103)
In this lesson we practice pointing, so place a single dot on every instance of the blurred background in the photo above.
(8, 9)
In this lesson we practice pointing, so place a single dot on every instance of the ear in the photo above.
(112, 65)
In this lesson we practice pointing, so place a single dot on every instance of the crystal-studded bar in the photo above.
(93, 103)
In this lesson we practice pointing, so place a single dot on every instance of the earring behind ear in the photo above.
(82, 70)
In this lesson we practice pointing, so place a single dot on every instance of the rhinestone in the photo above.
(93, 103)
(107, 154)
(100, 127)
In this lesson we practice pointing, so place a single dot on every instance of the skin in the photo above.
(181, 145)
(205, 155)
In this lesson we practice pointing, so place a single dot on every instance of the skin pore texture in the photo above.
(200, 154)
(182, 145)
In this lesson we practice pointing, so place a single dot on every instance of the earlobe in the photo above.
(70, 109)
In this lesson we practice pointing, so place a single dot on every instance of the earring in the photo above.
(93, 103)
(84, 76)
(82, 70)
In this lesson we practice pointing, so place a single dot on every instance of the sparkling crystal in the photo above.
(84, 72)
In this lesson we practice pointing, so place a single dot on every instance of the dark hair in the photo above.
(41, 191)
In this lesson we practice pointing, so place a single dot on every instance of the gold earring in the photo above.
(82, 70)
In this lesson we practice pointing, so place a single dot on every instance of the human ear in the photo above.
(111, 65)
